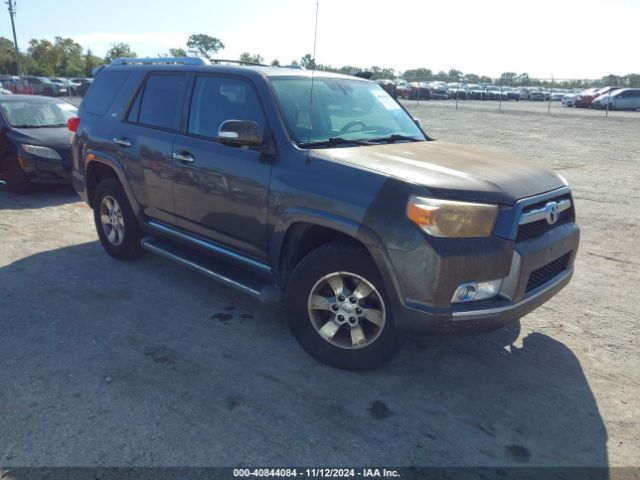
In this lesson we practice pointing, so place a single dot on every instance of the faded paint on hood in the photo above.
(451, 171)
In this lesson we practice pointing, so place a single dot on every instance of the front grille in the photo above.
(547, 272)
(535, 229)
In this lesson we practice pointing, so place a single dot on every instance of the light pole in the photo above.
(12, 12)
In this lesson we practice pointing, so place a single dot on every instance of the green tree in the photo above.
(454, 75)
(204, 45)
(275, 63)
(485, 79)
(247, 57)
(90, 62)
(308, 62)
(119, 50)
(70, 57)
(507, 78)
(418, 75)
(45, 57)
(471, 78)
(177, 52)
(7, 57)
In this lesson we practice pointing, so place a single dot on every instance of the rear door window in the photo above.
(103, 90)
(161, 101)
(217, 99)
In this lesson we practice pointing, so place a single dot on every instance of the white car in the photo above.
(4, 91)
(569, 100)
(623, 99)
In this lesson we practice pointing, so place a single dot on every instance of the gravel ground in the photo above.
(147, 363)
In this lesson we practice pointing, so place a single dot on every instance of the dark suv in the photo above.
(322, 190)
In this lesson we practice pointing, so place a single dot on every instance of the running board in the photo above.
(215, 269)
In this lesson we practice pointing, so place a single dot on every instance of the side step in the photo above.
(214, 269)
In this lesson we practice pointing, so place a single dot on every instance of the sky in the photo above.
(545, 38)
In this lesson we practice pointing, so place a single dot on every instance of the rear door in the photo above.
(144, 142)
(221, 191)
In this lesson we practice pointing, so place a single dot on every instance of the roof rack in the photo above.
(238, 62)
(164, 60)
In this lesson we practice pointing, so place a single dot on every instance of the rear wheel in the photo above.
(16, 178)
(115, 221)
(338, 310)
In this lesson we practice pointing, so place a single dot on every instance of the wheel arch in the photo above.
(308, 229)
(99, 168)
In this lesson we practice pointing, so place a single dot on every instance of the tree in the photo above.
(119, 50)
(485, 79)
(454, 75)
(247, 57)
(308, 62)
(418, 75)
(204, 45)
(90, 62)
(177, 52)
(471, 78)
(507, 78)
(70, 57)
(7, 56)
(275, 63)
(45, 57)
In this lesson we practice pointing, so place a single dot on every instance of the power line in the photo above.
(12, 12)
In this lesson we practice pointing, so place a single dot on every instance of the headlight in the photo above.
(446, 218)
(38, 151)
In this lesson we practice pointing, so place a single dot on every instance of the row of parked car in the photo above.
(615, 97)
(470, 91)
(49, 86)
(606, 98)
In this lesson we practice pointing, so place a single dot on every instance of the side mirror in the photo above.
(418, 122)
(240, 133)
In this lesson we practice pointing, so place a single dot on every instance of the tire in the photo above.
(349, 342)
(119, 232)
(16, 178)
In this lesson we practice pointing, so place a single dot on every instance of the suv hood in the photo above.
(456, 172)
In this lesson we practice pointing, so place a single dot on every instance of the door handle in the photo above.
(123, 142)
(184, 157)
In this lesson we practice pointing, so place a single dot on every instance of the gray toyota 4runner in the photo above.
(320, 190)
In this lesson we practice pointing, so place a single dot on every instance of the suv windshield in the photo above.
(31, 114)
(341, 109)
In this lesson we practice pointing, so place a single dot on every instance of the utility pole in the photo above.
(12, 12)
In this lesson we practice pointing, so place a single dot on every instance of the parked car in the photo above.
(388, 86)
(364, 226)
(419, 91)
(403, 89)
(438, 91)
(477, 92)
(512, 93)
(622, 99)
(494, 92)
(458, 90)
(537, 94)
(34, 140)
(80, 86)
(43, 86)
(586, 97)
(569, 99)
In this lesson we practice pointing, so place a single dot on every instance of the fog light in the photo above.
(472, 291)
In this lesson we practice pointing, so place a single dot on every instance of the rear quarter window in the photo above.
(103, 90)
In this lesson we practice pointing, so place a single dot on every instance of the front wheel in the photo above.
(338, 310)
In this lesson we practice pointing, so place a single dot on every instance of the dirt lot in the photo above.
(108, 363)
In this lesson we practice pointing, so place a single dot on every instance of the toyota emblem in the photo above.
(551, 212)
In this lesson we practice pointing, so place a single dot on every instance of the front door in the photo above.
(221, 192)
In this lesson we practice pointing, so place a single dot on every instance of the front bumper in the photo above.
(534, 259)
(46, 169)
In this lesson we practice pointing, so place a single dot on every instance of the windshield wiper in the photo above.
(333, 141)
(394, 138)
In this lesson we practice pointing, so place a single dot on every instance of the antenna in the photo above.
(12, 12)
(313, 70)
